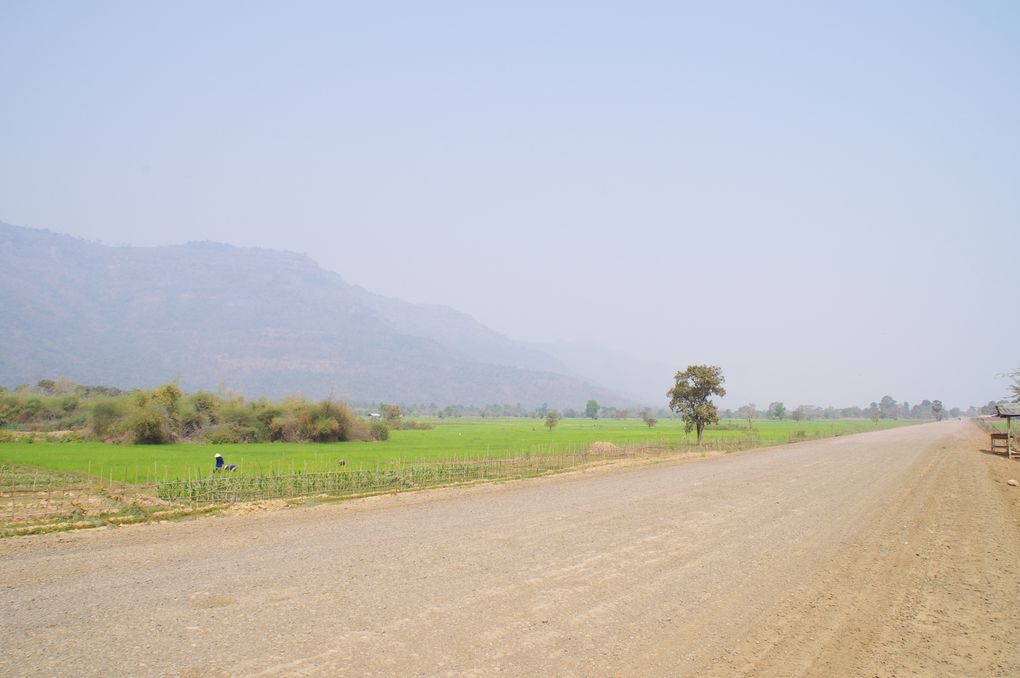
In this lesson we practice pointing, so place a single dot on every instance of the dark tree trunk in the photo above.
(701, 426)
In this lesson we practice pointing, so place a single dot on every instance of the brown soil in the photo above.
(887, 553)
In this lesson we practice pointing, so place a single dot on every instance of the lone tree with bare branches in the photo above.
(748, 412)
(689, 397)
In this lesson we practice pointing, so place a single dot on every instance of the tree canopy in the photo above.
(690, 396)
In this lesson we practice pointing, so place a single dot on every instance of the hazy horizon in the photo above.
(819, 200)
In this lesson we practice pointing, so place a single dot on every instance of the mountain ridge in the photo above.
(264, 322)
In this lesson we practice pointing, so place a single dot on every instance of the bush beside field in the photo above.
(166, 415)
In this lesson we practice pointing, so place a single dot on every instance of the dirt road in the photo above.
(888, 553)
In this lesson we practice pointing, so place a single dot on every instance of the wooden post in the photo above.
(1009, 437)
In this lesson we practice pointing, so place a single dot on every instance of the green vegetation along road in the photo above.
(449, 439)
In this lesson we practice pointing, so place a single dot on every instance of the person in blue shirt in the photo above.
(221, 467)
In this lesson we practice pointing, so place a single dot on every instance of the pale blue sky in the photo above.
(822, 198)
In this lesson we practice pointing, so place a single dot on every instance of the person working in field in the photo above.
(221, 467)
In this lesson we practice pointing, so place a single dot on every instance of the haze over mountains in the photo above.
(258, 321)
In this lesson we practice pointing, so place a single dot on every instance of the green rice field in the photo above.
(450, 439)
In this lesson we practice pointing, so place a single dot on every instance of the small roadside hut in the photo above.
(1007, 411)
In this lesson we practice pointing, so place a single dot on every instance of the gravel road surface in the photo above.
(891, 553)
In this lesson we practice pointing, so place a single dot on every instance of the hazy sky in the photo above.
(822, 198)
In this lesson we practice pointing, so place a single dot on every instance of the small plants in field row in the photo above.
(398, 476)
(32, 478)
(401, 475)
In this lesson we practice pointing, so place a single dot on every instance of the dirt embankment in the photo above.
(887, 553)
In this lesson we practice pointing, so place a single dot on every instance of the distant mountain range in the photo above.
(261, 322)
